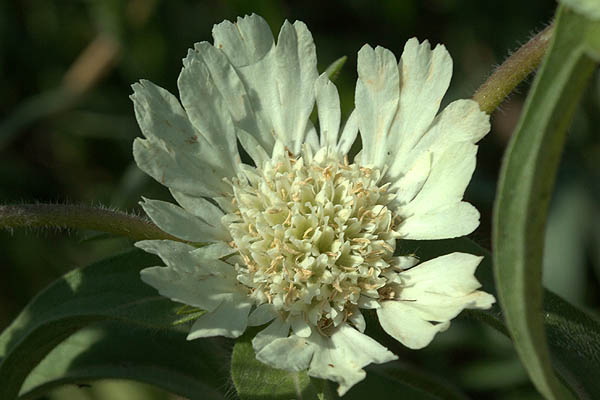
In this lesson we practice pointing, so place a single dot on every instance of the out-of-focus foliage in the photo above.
(67, 125)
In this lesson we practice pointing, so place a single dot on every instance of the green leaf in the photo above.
(123, 351)
(333, 70)
(587, 8)
(108, 290)
(525, 185)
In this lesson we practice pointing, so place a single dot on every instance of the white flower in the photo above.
(304, 239)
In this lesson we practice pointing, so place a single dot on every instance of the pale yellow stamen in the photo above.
(313, 236)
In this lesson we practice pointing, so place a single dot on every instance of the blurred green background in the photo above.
(67, 126)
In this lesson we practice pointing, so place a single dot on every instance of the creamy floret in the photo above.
(315, 234)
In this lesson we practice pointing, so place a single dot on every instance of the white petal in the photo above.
(174, 254)
(214, 251)
(245, 42)
(406, 325)
(424, 76)
(230, 319)
(450, 174)
(460, 121)
(481, 300)
(291, 353)
(253, 148)
(404, 262)
(358, 320)
(224, 202)
(342, 356)
(262, 314)
(295, 76)
(410, 184)
(207, 84)
(230, 87)
(174, 147)
(367, 302)
(276, 330)
(311, 138)
(365, 349)
(162, 119)
(180, 170)
(349, 134)
(200, 207)
(328, 107)
(376, 98)
(451, 274)
(279, 151)
(439, 289)
(279, 80)
(249, 46)
(455, 220)
(199, 262)
(178, 222)
(194, 289)
(300, 326)
(442, 308)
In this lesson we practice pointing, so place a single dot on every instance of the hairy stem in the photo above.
(80, 217)
(513, 71)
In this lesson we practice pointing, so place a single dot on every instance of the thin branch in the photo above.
(80, 217)
(513, 71)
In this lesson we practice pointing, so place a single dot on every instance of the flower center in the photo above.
(315, 235)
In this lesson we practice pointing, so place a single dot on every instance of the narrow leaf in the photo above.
(524, 189)
(333, 70)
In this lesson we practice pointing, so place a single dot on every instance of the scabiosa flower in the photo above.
(305, 238)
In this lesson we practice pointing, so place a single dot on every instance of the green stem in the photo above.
(513, 71)
(80, 217)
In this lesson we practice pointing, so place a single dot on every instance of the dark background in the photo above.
(67, 126)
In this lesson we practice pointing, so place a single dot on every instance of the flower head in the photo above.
(304, 238)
